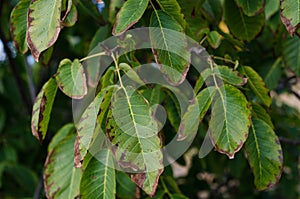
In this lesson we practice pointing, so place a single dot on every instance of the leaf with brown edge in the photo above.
(42, 109)
(71, 78)
(130, 13)
(18, 20)
(290, 14)
(257, 85)
(230, 120)
(264, 154)
(61, 178)
(43, 25)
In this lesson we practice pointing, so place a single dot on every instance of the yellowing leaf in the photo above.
(42, 32)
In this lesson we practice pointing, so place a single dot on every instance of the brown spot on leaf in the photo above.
(77, 156)
(287, 22)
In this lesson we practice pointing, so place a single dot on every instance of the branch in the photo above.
(289, 141)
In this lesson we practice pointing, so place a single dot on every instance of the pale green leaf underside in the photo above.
(18, 27)
(251, 7)
(71, 78)
(257, 85)
(99, 180)
(242, 26)
(195, 113)
(87, 124)
(264, 154)
(134, 132)
(43, 25)
(61, 177)
(165, 42)
(230, 120)
(42, 109)
(129, 14)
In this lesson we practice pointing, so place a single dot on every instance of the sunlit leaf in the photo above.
(290, 14)
(229, 75)
(129, 14)
(18, 20)
(195, 113)
(165, 41)
(99, 180)
(42, 108)
(42, 32)
(214, 39)
(61, 178)
(258, 112)
(71, 78)
(264, 154)
(230, 120)
(134, 132)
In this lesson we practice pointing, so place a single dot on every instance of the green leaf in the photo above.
(99, 36)
(229, 75)
(129, 14)
(243, 27)
(164, 41)
(173, 109)
(290, 14)
(71, 17)
(99, 180)
(43, 25)
(251, 7)
(61, 178)
(125, 187)
(71, 78)
(271, 8)
(134, 133)
(273, 74)
(291, 54)
(172, 8)
(113, 7)
(214, 39)
(258, 112)
(18, 20)
(87, 124)
(42, 108)
(202, 78)
(264, 154)
(60, 135)
(257, 85)
(195, 113)
(230, 120)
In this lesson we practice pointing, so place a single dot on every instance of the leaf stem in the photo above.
(223, 59)
(92, 56)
